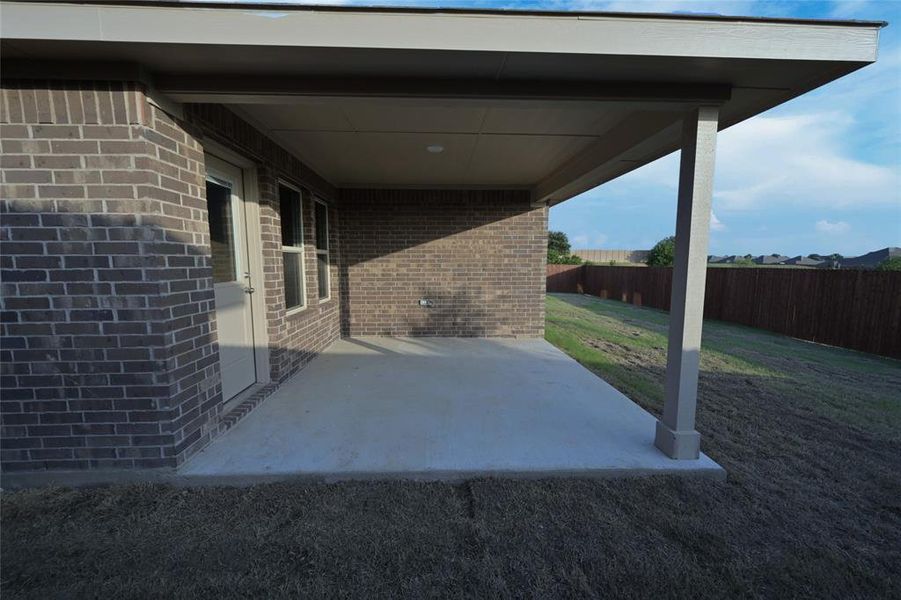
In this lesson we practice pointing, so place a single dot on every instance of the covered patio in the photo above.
(441, 408)
(307, 177)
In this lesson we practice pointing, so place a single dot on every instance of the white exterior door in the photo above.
(232, 278)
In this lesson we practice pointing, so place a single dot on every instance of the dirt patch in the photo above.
(637, 361)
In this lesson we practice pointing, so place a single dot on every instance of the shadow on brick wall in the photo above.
(477, 255)
(109, 352)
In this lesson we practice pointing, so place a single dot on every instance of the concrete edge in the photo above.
(88, 479)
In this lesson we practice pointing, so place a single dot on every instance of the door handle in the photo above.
(249, 290)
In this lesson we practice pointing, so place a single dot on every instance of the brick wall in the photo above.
(107, 347)
(193, 399)
(478, 255)
(109, 351)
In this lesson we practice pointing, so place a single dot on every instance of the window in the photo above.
(322, 260)
(291, 212)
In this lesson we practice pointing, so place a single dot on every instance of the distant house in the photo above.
(806, 261)
(821, 261)
(770, 259)
(870, 260)
(725, 260)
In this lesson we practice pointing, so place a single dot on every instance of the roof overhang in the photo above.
(553, 102)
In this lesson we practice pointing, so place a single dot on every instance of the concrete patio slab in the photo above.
(441, 408)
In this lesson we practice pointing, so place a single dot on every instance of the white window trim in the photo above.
(328, 270)
(297, 250)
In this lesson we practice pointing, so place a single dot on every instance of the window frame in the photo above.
(325, 252)
(300, 249)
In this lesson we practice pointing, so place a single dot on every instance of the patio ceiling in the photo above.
(553, 102)
(385, 142)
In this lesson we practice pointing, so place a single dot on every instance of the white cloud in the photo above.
(837, 228)
(716, 224)
(797, 160)
(589, 240)
(850, 9)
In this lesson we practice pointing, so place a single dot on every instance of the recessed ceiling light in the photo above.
(435, 148)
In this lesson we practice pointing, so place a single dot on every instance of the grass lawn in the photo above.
(810, 436)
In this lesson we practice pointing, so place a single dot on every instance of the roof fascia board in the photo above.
(476, 32)
(288, 5)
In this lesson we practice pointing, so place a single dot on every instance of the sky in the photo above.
(818, 174)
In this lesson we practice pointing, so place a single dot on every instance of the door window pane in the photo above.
(322, 274)
(222, 232)
(293, 279)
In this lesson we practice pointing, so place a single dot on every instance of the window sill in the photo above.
(296, 311)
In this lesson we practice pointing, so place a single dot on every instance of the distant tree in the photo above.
(558, 242)
(559, 259)
(558, 250)
(662, 254)
(890, 264)
(833, 261)
(744, 261)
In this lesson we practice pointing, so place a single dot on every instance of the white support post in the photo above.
(676, 435)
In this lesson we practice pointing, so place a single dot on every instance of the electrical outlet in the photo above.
(425, 303)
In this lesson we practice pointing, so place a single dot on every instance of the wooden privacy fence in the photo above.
(853, 309)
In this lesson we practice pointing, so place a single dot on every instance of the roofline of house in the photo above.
(462, 11)
(838, 47)
(431, 29)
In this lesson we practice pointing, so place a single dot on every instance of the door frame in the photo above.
(251, 198)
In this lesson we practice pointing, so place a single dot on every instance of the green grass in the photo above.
(850, 387)
(812, 507)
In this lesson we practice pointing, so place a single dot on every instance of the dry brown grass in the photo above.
(812, 507)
